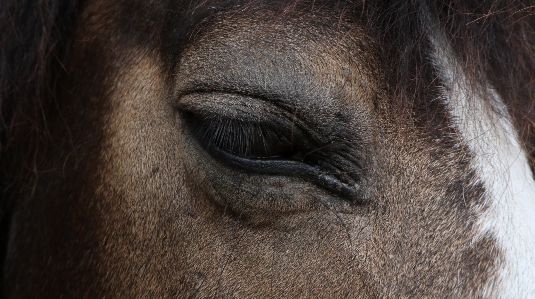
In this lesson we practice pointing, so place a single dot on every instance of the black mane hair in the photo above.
(32, 42)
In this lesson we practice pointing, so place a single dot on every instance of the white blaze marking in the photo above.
(501, 163)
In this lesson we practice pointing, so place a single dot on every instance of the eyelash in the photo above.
(274, 147)
(245, 139)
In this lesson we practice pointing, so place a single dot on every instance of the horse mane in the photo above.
(32, 38)
(495, 43)
(497, 39)
(493, 40)
(32, 42)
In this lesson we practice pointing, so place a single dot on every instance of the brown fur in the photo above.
(124, 203)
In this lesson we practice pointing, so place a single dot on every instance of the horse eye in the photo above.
(264, 141)
(250, 140)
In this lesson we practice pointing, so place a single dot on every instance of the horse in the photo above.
(267, 149)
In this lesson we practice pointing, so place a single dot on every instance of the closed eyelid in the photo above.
(252, 136)
(275, 138)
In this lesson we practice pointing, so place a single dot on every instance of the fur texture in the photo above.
(108, 192)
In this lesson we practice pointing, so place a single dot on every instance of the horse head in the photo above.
(255, 149)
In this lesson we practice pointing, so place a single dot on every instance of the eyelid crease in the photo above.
(284, 100)
(294, 168)
(232, 104)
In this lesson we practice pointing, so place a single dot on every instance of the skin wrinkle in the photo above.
(163, 218)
